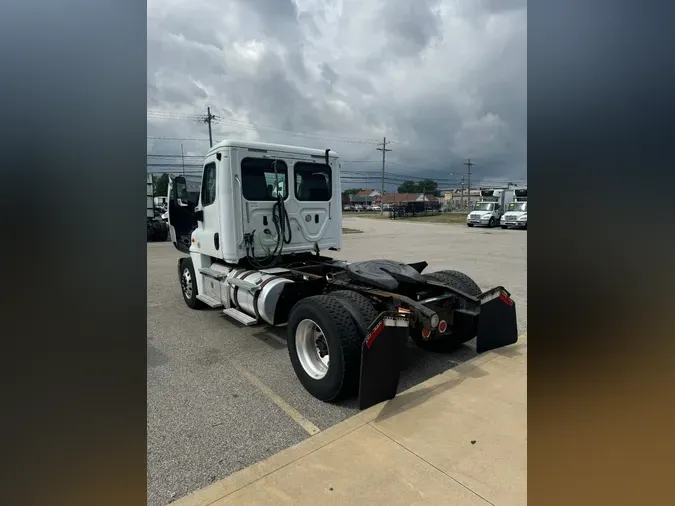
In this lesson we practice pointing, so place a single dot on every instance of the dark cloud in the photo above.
(445, 80)
(328, 73)
(411, 25)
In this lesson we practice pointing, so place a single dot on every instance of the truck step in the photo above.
(213, 273)
(235, 314)
(244, 285)
(209, 301)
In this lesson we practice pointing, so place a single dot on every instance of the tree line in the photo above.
(409, 186)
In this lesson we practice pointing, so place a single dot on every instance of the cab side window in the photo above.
(209, 185)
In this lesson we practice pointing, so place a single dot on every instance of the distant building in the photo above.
(366, 197)
(404, 198)
(457, 198)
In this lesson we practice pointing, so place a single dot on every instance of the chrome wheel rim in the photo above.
(312, 348)
(186, 283)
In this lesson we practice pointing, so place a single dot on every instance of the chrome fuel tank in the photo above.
(260, 303)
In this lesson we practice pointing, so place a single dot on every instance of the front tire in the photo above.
(469, 224)
(324, 345)
(491, 223)
(188, 285)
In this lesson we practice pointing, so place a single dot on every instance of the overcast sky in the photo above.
(444, 79)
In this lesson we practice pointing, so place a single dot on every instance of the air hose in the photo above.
(282, 224)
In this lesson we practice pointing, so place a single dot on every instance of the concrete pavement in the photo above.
(222, 397)
(458, 438)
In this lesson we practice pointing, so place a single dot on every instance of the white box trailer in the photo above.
(516, 212)
(488, 211)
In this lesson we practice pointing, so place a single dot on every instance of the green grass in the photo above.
(351, 231)
(433, 218)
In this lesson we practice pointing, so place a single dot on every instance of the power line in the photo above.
(257, 127)
(253, 126)
(172, 115)
(176, 139)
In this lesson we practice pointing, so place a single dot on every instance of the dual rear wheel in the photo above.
(324, 342)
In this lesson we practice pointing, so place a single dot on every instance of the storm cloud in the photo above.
(443, 79)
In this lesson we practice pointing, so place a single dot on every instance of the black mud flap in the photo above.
(381, 358)
(497, 326)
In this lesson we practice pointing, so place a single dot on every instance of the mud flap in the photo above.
(497, 325)
(381, 355)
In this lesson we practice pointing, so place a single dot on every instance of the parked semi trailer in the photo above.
(256, 241)
(157, 228)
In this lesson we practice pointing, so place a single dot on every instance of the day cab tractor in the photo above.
(516, 212)
(254, 241)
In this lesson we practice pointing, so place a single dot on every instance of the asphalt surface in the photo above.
(206, 419)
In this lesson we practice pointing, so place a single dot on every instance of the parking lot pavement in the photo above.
(222, 396)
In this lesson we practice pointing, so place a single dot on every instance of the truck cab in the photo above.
(488, 211)
(256, 201)
(516, 212)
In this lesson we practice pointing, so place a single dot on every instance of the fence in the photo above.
(412, 209)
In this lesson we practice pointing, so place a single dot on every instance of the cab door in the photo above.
(208, 231)
(183, 198)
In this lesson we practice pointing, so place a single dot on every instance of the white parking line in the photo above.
(293, 413)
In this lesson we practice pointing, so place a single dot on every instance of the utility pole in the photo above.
(384, 151)
(209, 118)
(468, 166)
(461, 194)
(182, 157)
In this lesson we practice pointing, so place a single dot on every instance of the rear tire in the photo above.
(188, 284)
(457, 280)
(472, 287)
(339, 333)
(361, 304)
(469, 224)
(504, 226)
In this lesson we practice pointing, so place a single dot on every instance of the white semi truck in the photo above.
(516, 212)
(157, 229)
(488, 211)
(254, 241)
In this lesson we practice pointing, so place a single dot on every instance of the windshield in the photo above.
(484, 206)
(518, 206)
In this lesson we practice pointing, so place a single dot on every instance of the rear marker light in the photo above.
(426, 333)
(373, 335)
(505, 299)
(443, 326)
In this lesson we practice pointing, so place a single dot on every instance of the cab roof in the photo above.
(231, 143)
